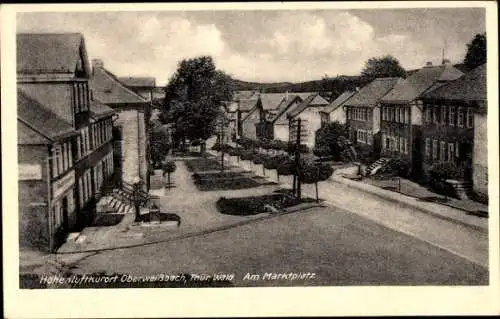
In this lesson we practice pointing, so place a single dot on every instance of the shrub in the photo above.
(292, 147)
(286, 166)
(321, 151)
(259, 158)
(443, 171)
(226, 148)
(168, 167)
(196, 142)
(313, 173)
(272, 162)
(235, 151)
(247, 155)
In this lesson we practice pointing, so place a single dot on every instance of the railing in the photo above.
(123, 191)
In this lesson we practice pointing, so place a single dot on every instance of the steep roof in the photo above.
(41, 119)
(39, 53)
(247, 105)
(370, 94)
(284, 106)
(99, 110)
(134, 81)
(108, 89)
(242, 95)
(420, 81)
(313, 100)
(339, 101)
(470, 87)
(271, 101)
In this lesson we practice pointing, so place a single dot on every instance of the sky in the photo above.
(265, 46)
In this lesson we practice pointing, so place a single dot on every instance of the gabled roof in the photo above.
(247, 105)
(271, 101)
(470, 87)
(339, 101)
(41, 53)
(138, 81)
(420, 81)
(370, 94)
(109, 90)
(99, 110)
(313, 100)
(41, 119)
(284, 106)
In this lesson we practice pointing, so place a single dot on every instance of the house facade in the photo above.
(309, 113)
(449, 127)
(57, 177)
(401, 113)
(130, 133)
(279, 122)
(363, 115)
(335, 112)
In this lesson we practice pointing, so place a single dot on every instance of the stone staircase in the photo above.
(375, 166)
(120, 200)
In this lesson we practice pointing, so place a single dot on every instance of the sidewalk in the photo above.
(446, 212)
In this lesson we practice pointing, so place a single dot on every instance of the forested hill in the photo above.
(334, 86)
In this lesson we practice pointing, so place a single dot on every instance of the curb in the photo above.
(405, 203)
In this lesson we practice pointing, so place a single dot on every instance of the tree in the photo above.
(330, 140)
(476, 51)
(168, 168)
(386, 66)
(160, 144)
(313, 173)
(194, 98)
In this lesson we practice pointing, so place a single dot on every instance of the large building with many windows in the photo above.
(63, 138)
(454, 127)
(363, 115)
(401, 112)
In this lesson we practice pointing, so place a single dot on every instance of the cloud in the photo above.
(284, 45)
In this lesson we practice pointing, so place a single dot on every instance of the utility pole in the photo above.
(297, 158)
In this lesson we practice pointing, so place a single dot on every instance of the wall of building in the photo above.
(33, 200)
(480, 155)
(338, 115)
(281, 132)
(416, 112)
(249, 129)
(376, 119)
(128, 121)
(55, 96)
(312, 121)
(142, 141)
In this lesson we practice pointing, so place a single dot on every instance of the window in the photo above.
(434, 149)
(401, 145)
(443, 115)
(428, 114)
(427, 147)
(70, 155)
(78, 147)
(451, 152)
(80, 190)
(369, 137)
(460, 120)
(435, 119)
(442, 151)
(384, 113)
(470, 118)
(451, 119)
(396, 109)
(406, 146)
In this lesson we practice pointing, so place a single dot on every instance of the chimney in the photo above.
(286, 95)
(428, 64)
(357, 89)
